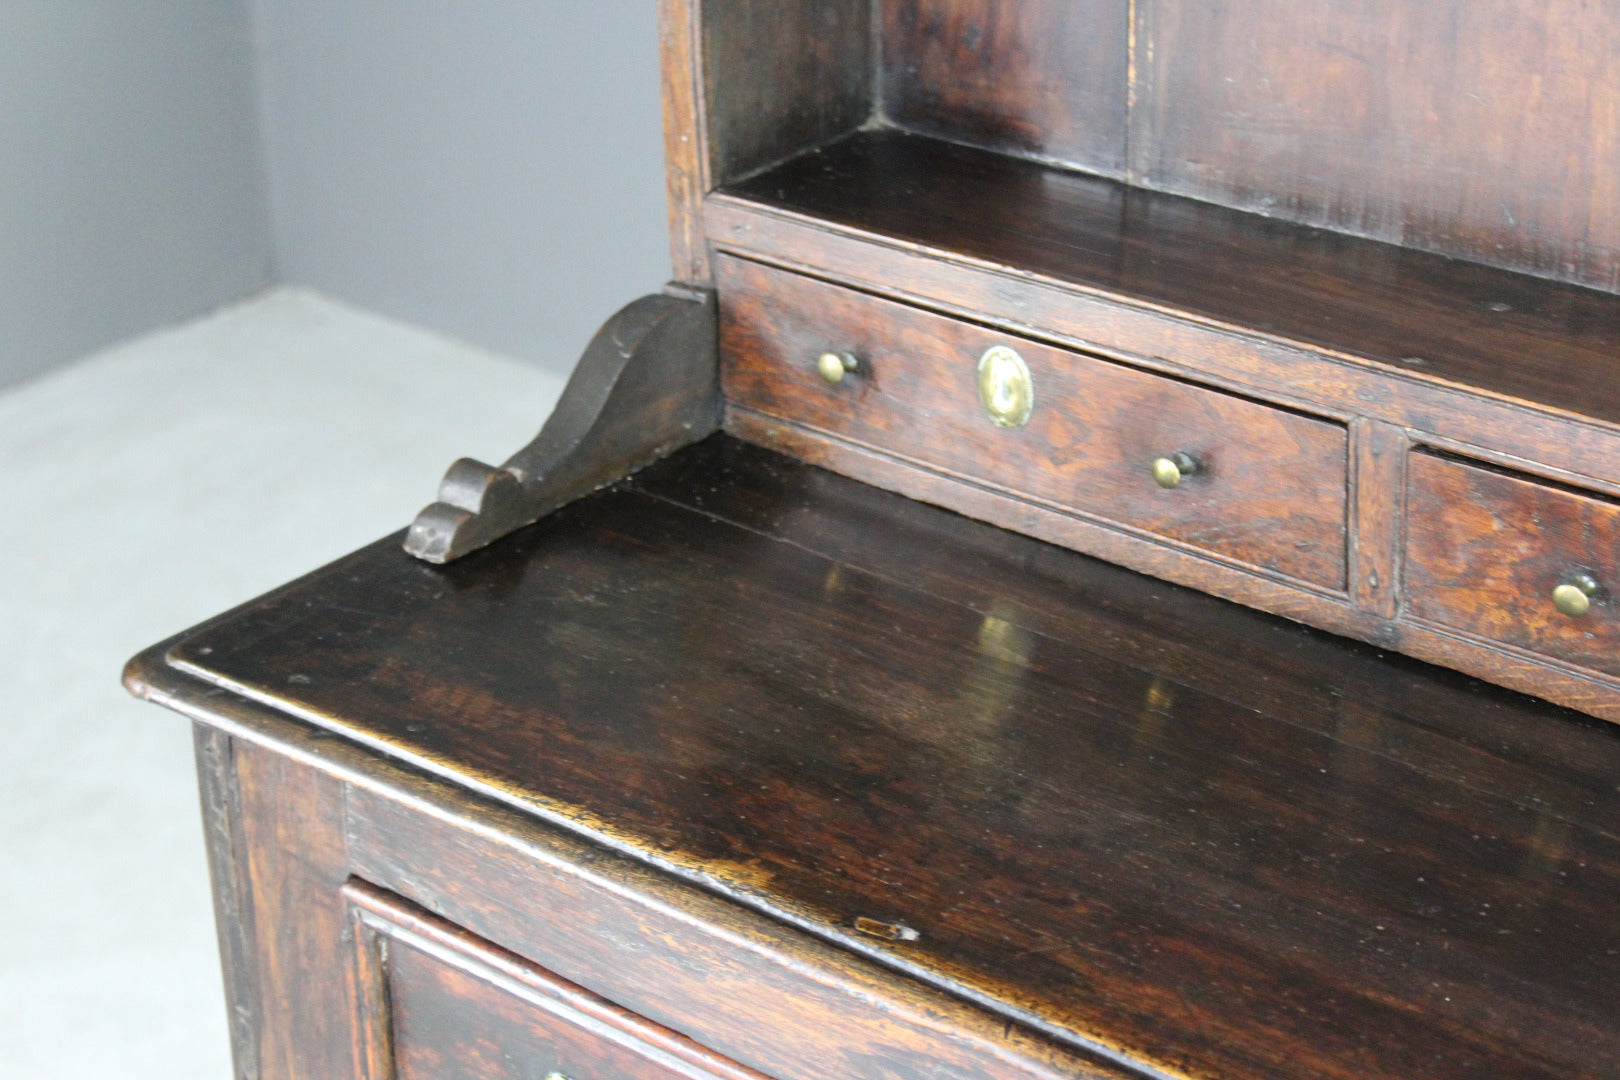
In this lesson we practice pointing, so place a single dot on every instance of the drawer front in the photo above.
(1485, 552)
(442, 1004)
(1269, 487)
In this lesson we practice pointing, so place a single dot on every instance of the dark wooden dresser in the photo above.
(981, 620)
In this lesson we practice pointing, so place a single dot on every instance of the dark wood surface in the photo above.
(1479, 129)
(1271, 487)
(1486, 129)
(1485, 549)
(647, 384)
(1131, 815)
(1429, 318)
(780, 77)
(1047, 80)
(687, 178)
(451, 1005)
(277, 852)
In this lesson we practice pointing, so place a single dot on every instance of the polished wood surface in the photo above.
(1046, 80)
(753, 987)
(1485, 129)
(1426, 317)
(448, 1005)
(744, 769)
(1270, 490)
(1486, 549)
(1129, 815)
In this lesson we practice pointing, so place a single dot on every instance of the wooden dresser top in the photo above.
(1199, 839)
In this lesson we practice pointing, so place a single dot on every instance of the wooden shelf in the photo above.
(1539, 343)
(1142, 820)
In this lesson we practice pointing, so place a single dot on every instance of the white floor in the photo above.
(143, 490)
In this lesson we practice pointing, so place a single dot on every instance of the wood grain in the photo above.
(234, 919)
(1108, 847)
(1510, 335)
(1046, 80)
(633, 933)
(458, 1006)
(1468, 417)
(1485, 129)
(1270, 491)
(1485, 550)
(686, 137)
(781, 77)
(1378, 491)
(295, 857)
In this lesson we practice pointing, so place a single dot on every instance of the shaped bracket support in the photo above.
(647, 385)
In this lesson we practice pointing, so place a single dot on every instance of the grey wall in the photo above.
(491, 169)
(131, 185)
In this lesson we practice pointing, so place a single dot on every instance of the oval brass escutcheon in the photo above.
(1005, 389)
(1574, 597)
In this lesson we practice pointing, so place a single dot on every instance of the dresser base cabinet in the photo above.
(741, 767)
(684, 742)
(331, 974)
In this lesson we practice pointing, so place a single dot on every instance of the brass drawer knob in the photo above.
(833, 365)
(1005, 389)
(1574, 597)
(1168, 472)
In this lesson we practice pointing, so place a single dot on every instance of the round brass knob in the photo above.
(1168, 472)
(1574, 597)
(1005, 389)
(833, 365)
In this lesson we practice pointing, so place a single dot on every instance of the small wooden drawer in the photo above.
(440, 1003)
(1485, 550)
(1267, 488)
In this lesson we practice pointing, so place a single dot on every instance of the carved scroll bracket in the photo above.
(646, 386)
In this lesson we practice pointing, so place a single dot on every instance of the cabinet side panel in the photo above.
(1031, 77)
(296, 863)
(780, 77)
(1485, 129)
(233, 903)
(686, 151)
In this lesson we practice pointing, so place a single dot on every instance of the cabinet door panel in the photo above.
(442, 1004)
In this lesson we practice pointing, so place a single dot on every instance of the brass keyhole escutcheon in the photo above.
(1005, 389)
(1168, 472)
(1574, 596)
(833, 365)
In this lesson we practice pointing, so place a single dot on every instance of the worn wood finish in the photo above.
(293, 858)
(1271, 487)
(647, 385)
(1486, 129)
(781, 77)
(1491, 426)
(1039, 79)
(457, 1006)
(1545, 344)
(1486, 549)
(234, 920)
(734, 978)
(765, 994)
(1378, 491)
(743, 769)
(1127, 813)
(686, 137)
(1396, 344)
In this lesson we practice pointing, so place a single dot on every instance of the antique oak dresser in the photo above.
(1104, 562)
